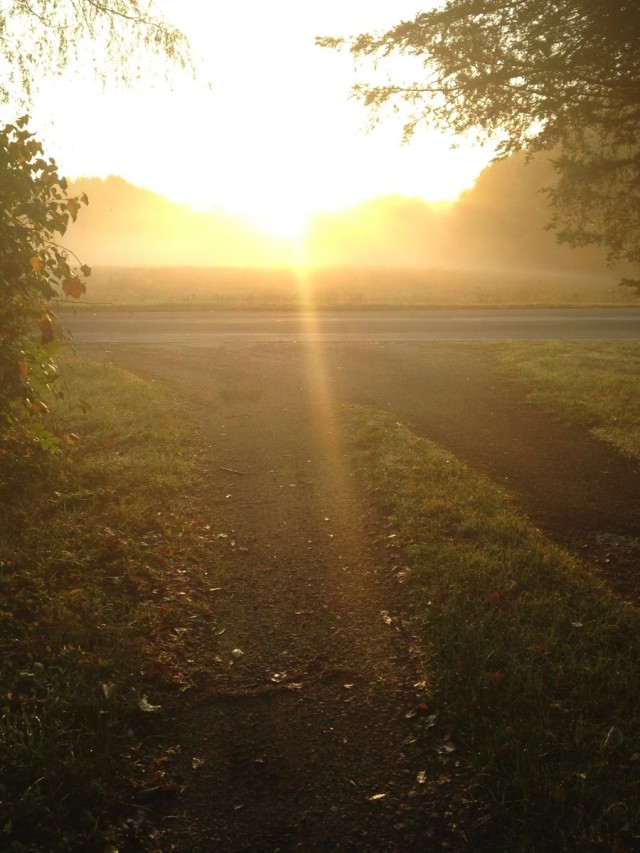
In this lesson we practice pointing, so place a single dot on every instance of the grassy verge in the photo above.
(534, 663)
(94, 617)
(596, 384)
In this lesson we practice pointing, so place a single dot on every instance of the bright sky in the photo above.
(274, 138)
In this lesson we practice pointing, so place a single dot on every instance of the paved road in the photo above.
(200, 328)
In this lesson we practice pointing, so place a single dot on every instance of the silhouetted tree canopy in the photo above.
(556, 75)
(113, 40)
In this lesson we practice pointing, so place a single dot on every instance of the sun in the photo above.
(279, 211)
(275, 139)
(280, 220)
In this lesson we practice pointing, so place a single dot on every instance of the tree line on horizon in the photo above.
(498, 223)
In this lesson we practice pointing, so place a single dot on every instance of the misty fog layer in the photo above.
(498, 224)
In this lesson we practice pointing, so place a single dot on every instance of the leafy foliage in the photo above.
(561, 76)
(111, 40)
(34, 269)
(103, 38)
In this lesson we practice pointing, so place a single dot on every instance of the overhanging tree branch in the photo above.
(97, 35)
(556, 75)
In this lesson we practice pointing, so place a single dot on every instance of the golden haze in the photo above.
(499, 223)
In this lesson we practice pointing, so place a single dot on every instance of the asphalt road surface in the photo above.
(200, 328)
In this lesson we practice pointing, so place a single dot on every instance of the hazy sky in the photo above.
(275, 137)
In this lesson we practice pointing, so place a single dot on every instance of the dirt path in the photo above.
(318, 735)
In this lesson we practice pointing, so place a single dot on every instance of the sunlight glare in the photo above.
(275, 139)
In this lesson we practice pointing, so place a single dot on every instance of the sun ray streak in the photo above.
(323, 402)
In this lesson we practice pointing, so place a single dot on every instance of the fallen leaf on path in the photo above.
(146, 706)
(107, 689)
(493, 677)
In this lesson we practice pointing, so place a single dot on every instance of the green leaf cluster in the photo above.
(34, 270)
(112, 40)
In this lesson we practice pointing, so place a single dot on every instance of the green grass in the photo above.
(347, 287)
(94, 544)
(534, 663)
(594, 384)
